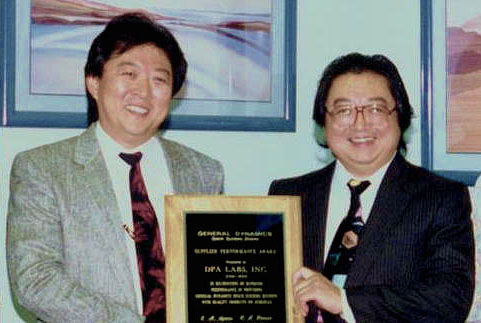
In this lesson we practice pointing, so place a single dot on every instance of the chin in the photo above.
(363, 160)
(364, 156)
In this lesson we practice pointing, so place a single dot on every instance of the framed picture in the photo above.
(451, 88)
(241, 58)
(232, 258)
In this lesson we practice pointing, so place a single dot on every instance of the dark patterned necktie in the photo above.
(146, 234)
(343, 248)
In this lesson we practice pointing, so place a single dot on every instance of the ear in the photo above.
(92, 84)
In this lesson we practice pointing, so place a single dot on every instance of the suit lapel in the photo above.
(387, 211)
(95, 179)
(315, 219)
(183, 176)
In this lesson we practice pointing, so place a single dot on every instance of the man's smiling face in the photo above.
(362, 146)
(133, 94)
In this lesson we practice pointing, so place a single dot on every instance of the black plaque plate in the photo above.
(235, 267)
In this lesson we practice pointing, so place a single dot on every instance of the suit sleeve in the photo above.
(35, 255)
(276, 188)
(218, 181)
(444, 289)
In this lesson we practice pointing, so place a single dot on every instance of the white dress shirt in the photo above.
(338, 206)
(157, 181)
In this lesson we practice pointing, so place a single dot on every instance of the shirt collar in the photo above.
(111, 147)
(343, 175)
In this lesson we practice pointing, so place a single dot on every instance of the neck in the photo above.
(362, 172)
(125, 141)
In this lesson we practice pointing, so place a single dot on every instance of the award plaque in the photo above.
(231, 258)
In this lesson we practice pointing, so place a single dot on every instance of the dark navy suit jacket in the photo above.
(415, 262)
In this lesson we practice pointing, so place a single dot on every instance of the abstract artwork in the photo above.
(241, 56)
(451, 88)
(463, 69)
(238, 32)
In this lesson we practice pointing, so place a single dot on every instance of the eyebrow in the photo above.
(125, 63)
(163, 70)
(158, 69)
(373, 99)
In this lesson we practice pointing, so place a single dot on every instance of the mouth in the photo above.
(137, 109)
(361, 140)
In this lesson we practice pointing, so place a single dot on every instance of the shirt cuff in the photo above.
(346, 311)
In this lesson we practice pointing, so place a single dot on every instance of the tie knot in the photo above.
(131, 159)
(357, 187)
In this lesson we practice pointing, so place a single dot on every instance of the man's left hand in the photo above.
(312, 286)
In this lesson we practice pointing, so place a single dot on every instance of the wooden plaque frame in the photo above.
(177, 208)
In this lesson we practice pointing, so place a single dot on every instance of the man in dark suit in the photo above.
(413, 258)
(85, 226)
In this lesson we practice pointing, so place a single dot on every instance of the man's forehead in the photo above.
(121, 49)
(360, 73)
(366, 78)
(121, 55)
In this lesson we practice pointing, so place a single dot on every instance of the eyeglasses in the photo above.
(345, 114)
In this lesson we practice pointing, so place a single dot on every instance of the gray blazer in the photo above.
(66, 253)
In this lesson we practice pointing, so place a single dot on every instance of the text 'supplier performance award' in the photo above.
(232, 258)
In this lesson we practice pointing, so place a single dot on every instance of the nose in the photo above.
(359, 122)
(142, 87)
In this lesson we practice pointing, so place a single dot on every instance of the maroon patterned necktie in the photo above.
(146, 234)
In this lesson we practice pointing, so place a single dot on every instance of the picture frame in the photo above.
(232, 258)
(461, 166)
(23, 108)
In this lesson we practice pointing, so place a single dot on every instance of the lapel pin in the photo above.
(129, 230)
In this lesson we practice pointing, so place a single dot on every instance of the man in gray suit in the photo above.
(71, 251)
